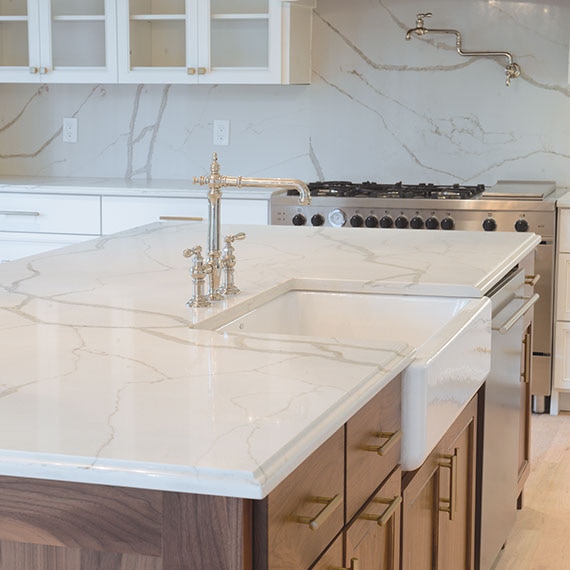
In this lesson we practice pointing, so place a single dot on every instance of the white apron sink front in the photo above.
(451, 338)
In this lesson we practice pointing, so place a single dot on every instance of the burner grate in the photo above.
(344, 189)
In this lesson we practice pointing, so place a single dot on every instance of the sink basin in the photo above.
(452, 338)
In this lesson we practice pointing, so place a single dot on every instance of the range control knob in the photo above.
(447, 224)
(337, 218)
(299, 220)
(417, 223)
(386, 222)
(521, 225)
(489, 225)
(318, 220)
(357, 221)
(401, 222)
(432, 223)
(371, 222)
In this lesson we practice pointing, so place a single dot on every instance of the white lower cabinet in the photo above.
(17, 245)
(121, 212)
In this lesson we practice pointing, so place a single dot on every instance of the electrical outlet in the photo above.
(70, 129)
(221, 132)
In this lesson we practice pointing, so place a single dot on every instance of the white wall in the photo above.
(379, 107)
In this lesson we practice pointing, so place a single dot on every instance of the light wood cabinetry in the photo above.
(561, 373)
(438, 509)
(58, 41)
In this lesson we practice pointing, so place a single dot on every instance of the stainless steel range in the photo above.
(521, 206)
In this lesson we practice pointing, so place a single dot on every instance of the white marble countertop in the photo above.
(104, 381)
(121, 187)
(563, 201)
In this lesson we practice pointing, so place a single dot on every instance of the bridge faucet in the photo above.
(215, 181)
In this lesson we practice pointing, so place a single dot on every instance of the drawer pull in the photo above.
(201, 71)
(392, 437)
(330, 506)
(16, 213)
(191, 71)
(181, 219)
(531, 280)
(392, 507)
(449, 505)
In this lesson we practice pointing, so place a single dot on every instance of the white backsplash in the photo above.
(379, 107)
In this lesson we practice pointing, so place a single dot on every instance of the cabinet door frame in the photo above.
(180, 75)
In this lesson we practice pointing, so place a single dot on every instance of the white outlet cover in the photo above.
(221, 132)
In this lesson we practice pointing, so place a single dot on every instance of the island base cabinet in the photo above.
(438, 509)
(52, 525)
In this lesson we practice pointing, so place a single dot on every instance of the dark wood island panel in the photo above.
(53, 525)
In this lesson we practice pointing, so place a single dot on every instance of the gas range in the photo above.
(507, 206)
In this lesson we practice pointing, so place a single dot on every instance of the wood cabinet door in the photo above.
(373, 538)
(457, 466)
(332, 557)
(438, 511)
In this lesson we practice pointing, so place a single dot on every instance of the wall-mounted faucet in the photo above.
(512, 69)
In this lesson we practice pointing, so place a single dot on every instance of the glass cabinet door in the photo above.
(244, 41)
(19, 41)
(158, 41)
(78, 40)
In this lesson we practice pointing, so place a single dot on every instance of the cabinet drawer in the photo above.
(562, 287)
(121, 213)
(564, 230)
(18, 245)
(372, 445)
(50, 213)
(283, 537)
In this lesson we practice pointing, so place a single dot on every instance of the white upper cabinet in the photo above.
(61, 41)
(214, 41)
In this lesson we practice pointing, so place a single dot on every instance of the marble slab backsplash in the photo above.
(378, 108)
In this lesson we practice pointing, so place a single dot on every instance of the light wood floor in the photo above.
(540, 539)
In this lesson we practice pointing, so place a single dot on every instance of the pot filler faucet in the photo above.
(219, 265)
(511, 70)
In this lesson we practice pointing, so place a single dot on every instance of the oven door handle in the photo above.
(506, 327)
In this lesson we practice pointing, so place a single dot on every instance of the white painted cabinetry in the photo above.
(65, 41)
(561, 382)
(214, 41)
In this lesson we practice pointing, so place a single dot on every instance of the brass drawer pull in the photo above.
(330, 506)
(531, 279)
(202, 71)
(449, 505)
(191, 71)
(16, 213)
(392, 507)
(392, 437)
(181, 219)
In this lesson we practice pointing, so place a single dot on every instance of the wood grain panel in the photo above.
(92, 517)
(203, 532)
(19, 556)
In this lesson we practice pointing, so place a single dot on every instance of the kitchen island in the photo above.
(111, 396)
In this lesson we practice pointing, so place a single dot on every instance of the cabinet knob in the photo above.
(191, 71)
(382, 519)
(330, 506)
(201, 71)
(34, 70)
(43, 70)
(392, 439)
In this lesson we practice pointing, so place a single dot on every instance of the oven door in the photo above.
(512, 316)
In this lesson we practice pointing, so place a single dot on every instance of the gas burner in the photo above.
(344, 189)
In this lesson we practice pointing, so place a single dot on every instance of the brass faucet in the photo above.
(215, 265)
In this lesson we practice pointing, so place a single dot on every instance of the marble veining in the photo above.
(379, 107)
(105, 378)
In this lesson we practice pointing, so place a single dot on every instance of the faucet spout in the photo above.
(215, 182)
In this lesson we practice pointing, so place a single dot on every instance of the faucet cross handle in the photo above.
(198, 272)
(228, 286)
(420, 19)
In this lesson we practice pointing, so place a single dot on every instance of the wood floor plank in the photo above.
(539, 539)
